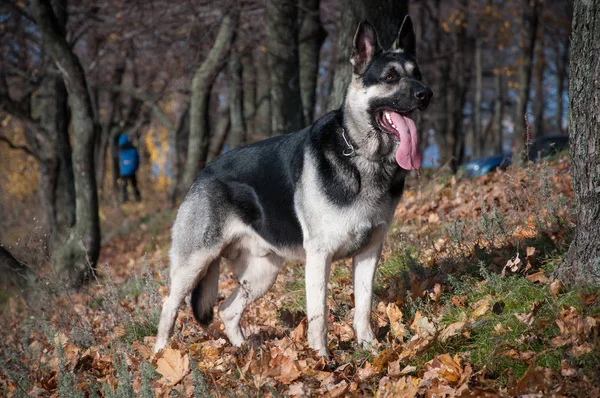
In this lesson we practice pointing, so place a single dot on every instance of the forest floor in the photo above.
(465, 305)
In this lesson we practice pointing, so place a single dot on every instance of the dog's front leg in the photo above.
(317, 275)
(364, 265)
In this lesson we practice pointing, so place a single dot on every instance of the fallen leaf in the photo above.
(451, 330)
(405, 387)
(421, 325)
(395, 316)
(173, 366)
(538, 277)
(482, 308)
(556, 287)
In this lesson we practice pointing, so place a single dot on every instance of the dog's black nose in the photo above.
(424, 94)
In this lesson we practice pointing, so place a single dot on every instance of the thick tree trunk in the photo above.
(530, 19)
(81, 249)
(107, 126)
(311, 37)
(235, 98)
(180, 140)
(220, 135)
(581, 265)
(540, 97)
(202, 83)
(385, 15)
(477, 136)
(12, 271)
(249, 91)
(562, 62)
(262, 120)
(499, 112)
(459, 89)
(282, 48)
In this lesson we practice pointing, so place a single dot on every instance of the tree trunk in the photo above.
(107, 127)
(581, 265)
(499, 112)
(385, 15)
(477, 136)
(540, 97)
(235, 98)
(249, 91)
(311, 37)
(282, 48)
(180, 139)
(80, 252)
(14, 273)
(201, 86)
(220, 135)
(562, 62)
(262, 120)
(530, 18)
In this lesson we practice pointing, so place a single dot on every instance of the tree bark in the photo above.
(477, 136)
(202, 83)
(581, 265)
(282, 48)
(14, 273)
(262, 120)
(79, 254)
(221, 130)
(562, 62)
(540, 97)
(180, 139)
(311, 37)
(530, 19)
(499, 112)
(249, 91)
(235, 98)
(385, 15)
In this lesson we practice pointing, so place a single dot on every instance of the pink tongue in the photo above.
(407, 155)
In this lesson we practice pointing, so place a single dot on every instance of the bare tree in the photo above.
(581, 265)
(529, 24)
(282, 49)
(311, 37)
(81, 249)
(235, 99)
(201, 87)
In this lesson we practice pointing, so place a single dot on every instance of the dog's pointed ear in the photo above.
(366, 45)
(406, 41)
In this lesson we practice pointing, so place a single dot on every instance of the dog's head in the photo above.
(386, 89)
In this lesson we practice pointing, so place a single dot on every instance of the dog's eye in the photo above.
(390, 77)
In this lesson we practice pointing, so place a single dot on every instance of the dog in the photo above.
(324, 193)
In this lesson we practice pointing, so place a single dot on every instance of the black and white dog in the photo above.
(321, 194)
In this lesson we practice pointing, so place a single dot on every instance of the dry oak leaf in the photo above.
(482, 308)
(421, 325)
(451, 330)
(405, 387)
(556, 287)
(539, 277)
(395, 316)
(173, 366)
(445, 368)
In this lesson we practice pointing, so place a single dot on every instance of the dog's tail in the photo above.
(204, 295)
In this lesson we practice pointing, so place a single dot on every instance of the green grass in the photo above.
(140, 326)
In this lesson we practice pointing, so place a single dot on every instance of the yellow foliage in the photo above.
(157, 144)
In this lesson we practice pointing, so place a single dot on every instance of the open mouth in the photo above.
(403, 129)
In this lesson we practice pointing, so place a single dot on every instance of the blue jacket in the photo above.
(129, 159)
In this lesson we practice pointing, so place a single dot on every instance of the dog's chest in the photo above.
(341, 230)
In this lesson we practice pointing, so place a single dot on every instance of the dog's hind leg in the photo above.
(256, 275)
(185, 274)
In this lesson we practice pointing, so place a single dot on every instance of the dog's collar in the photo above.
(350, 150)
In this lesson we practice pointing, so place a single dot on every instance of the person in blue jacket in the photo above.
(129, 161)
